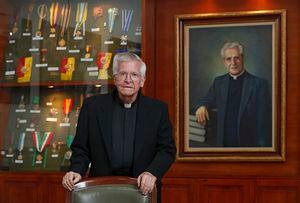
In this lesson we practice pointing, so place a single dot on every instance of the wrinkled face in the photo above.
(128, 80)
(233, 61)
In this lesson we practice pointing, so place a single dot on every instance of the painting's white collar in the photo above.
(235, 77)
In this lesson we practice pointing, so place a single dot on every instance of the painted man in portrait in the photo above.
(242, 101)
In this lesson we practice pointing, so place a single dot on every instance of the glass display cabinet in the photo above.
(54, 54)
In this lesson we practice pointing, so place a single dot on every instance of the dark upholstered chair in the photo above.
(113, 189)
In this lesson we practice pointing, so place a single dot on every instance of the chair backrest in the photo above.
(111, 189)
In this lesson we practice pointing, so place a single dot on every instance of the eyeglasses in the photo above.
(123, 75)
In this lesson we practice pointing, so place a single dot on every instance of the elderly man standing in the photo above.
(242, 101)
(124, 132)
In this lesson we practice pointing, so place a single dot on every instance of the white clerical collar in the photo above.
(128, 105)
(235, 77)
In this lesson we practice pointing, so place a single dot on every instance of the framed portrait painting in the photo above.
(230, 86)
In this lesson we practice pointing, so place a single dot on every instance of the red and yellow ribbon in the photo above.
(24, 69)
(67, 105)
(67, 66)
(103, 63)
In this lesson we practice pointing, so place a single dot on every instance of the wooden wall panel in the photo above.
(224, 190)
(277, 191)
(148, 44)
(227, 191)
(56, 191)
(277, 195)
(31, 188)
(178, 190)
(22, 190)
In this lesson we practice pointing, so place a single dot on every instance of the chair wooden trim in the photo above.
(107, 180)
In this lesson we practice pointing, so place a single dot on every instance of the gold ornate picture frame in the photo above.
(199, 39)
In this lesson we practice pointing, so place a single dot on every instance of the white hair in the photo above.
(128, 56)
(230, 45)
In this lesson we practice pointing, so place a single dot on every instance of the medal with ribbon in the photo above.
(54, 149)
(53, 16)
(68, 154)
(80, 104)
(21, 103)
(36, 103)
(15, 23)
(21, 145)
(28, 20)
(111, 17)
(97, 13)
(64, 22)
(81, 16)
(43, 54)
(126, 20)
(41, 144)
(42, 13)
(11, 143)
(88, 49)
(34, 122)
(103, 62)
(67, 106)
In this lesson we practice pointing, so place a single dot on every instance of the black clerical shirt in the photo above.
(123, 132)
(232, 111)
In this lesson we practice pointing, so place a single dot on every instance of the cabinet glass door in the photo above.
(54, 55)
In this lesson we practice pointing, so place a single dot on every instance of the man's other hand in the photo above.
(146, 182)
(70, 179)
(202, 115)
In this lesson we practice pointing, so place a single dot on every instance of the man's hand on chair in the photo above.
(70, 179)
(146, 182)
